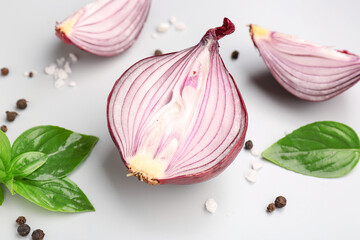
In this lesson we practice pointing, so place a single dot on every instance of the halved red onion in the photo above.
(308, 71)
(178, 118)
(105, 27)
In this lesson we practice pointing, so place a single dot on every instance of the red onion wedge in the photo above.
(308, 71)
(178, 118)
(105, 27)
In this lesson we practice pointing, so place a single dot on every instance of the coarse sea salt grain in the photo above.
(50, 70)
(60, 61)
(162, 27)
(72, 84)
(154, 35)
(172, 20)
(60, 74)
(61, 69)
(211, 205)
(73, 57)
(180, 26)
(67, 68)
(255, 152)
(256, 165)
(251, 176)
(59, 83)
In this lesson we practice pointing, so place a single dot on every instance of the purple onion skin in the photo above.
(217, 33)
(63, 37)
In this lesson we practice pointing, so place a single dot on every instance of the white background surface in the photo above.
(128, 209)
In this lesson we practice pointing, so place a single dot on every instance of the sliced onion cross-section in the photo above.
(178, 118)
(307, 70)
(105, 27)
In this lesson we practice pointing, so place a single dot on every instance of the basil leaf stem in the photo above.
(1, 195)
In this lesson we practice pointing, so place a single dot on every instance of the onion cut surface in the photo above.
(308, 71)
(178, 118)
(105, 27)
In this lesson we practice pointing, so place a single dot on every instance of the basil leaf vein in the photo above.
(26, 163)
(56, 194)
(65, 149)
(324, 149)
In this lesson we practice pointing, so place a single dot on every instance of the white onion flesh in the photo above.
(105, 27)
(307, 70)
(179, 117)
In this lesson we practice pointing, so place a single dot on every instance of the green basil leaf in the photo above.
(5, 155)
(60, 194)
(65, 150)
(2, 195)
(26, 163)
(9, 183)
(321, 149)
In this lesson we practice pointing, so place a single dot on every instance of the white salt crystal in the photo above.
(211, 205)
(256, 165)
(162, 27)
(180, 26)
(251, 176)
(72, 84)
(60, 74)
(59, 83)
(61, 70)
(50, 70)
(154, 35)
(73, 57)
(67, 68)
(60, 61)
(255, 152)
(172, 20)
(26, 74)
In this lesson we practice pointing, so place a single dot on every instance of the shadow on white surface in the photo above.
(269, 86)
(150, 207)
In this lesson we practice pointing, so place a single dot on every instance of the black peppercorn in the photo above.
(21, 220)
(4, 71)
(157, 52)
(4, 128)
(21, 104)
(23, 230)
(10, 116)
(271, 207)
(235, 55)
(280, 202)
(38, 234)
(249, 145)
(31, 74)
